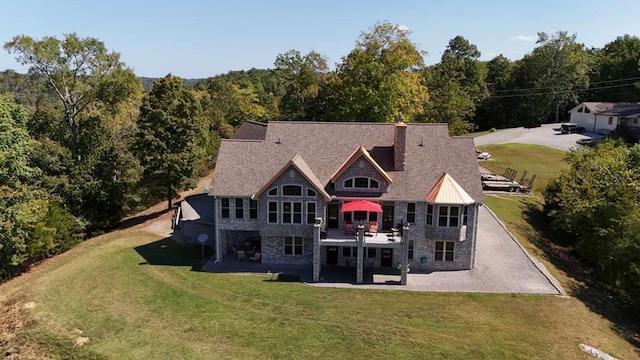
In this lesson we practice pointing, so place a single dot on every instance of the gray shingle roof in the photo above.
(614, 109)
(243, 166)
(251, 130)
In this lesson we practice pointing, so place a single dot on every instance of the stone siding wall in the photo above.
(463, 250)
(273, 251)
(272, 235)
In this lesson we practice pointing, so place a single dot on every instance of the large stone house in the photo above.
(281, 189)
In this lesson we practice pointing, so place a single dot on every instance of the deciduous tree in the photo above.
(23, 206)
(595, 203)
(615, 72)
(167, 137)
(378, 78)
(560, 66)
(80, 71)
(457, 84)
(303, 76)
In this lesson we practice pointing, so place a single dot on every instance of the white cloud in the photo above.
(403, 28)
(527, 38)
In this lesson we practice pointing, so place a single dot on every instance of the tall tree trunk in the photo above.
(74, 127)
(169, 186)
(557, 108)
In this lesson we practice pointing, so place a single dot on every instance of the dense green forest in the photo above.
(84, 141)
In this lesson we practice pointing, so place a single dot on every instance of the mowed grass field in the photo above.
(125, 295)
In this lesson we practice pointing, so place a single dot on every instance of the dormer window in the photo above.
(291, 190)
(361, 183)
(273, 192)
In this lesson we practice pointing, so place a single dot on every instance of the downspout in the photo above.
(216, 231)
(595, 117)
(475, 233)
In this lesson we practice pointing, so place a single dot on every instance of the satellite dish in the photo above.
(202, 238)
(207, 187)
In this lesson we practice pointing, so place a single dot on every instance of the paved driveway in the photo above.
(546, 135)
(501, 266)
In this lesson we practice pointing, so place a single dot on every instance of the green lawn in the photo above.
(132, 310)
(542, 161)
(480, 133)
(134, 299)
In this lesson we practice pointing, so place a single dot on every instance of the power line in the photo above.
(560, 91)
(550, 87)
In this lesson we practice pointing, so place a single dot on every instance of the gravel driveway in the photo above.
(546, 135)
(501, 266)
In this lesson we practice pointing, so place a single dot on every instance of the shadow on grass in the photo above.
(167, 252)
(285, 278)
(137, 220)
(593, 294)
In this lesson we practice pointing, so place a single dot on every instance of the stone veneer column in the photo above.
(360, 258)
(405, 255)
(316, 250)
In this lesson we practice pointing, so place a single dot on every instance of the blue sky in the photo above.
(199, 38)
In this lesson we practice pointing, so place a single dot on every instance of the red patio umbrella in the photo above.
(361, 205)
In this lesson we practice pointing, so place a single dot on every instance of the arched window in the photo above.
(291, 190)
(361, 183)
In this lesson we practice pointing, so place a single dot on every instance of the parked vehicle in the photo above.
(483, 155)
(568, 128)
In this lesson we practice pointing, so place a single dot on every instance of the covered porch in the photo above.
(336, 250)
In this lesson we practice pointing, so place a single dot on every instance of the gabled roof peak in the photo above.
(298, 163)
(360, 152)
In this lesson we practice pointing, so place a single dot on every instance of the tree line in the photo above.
(594, 205)
(86, 142)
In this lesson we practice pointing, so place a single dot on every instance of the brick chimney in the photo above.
(399, 140)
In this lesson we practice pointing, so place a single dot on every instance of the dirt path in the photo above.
(157, 219)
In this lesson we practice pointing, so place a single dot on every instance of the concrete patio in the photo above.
(501, 266)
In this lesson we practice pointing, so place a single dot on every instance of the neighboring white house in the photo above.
(605, 117)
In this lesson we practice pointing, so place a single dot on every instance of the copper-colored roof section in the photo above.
(299, 164)
(360, 151)
(448, 191)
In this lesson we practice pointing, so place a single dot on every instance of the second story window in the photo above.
(273, 212)
(361, 183)
(273, 192)
(224, 207)
(411, 213)
(311, 192)
(448, 216)
(465, 211)
(291, 212)
(239, 208)
(291, 190)
(311, 213)
(429, 214)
